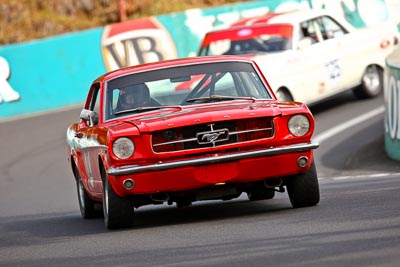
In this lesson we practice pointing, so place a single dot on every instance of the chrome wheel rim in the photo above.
(371, 80)
(81, 191)
(105, 204)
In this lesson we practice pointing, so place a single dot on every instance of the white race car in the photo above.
(308, 56)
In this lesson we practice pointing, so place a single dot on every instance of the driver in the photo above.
(133, 96)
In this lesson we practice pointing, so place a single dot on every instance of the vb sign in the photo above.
(136, 42)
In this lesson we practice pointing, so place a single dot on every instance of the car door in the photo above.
(300, 68)
(338, 66)
(88, 138)
(307, 66)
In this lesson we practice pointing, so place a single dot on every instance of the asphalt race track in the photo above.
(357, 222)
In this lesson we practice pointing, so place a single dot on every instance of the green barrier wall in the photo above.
(392, 105)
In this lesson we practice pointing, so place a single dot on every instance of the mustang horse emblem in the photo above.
(211, 137)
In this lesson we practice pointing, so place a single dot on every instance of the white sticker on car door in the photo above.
(333, 72)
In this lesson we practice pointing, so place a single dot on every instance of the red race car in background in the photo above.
(139, 141)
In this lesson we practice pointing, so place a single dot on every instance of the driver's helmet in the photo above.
(133, 96)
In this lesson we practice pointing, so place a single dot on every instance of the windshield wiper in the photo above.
(143, 109)
(213, 98)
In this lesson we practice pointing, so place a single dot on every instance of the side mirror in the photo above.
(305, 42)
(90, 117)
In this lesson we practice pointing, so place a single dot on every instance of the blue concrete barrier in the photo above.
(392, 105)
(51, 73)
(56, 72)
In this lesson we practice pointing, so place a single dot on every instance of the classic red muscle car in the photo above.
(144, 138)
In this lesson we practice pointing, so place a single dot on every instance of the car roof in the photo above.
(235, 32)
(172, 63)
(295, 16)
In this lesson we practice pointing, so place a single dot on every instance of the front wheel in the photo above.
(303, 189)
(371, 83)
(118, 212)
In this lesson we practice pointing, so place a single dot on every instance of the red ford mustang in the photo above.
(186, 130)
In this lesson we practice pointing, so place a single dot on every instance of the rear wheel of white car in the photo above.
(303, 189)
(118, 212)
(86, 204)
(283, 95)
(371, 83)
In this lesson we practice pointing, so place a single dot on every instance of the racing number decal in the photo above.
(330, 79)
(333, 70)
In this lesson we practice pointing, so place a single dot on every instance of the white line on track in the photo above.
(348, 124)
(360, 176)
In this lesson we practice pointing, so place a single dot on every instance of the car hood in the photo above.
(200, 114)
(274, 64)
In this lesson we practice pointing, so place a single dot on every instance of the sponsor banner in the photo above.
(392, 105)
(136, 42)
(56, 72)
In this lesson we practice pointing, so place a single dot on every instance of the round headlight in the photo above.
(299, 125)
(123, 147)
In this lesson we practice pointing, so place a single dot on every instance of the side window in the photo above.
(90, 113)
(95, 99)
(307, 30)
(329, 28)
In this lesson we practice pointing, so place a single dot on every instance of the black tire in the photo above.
(86, 204)
(283, 95)
(371, 83)
(118, 212)
(261, 193)
(303, 189)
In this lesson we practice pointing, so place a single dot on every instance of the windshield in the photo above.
(175, 87)
(245, 40)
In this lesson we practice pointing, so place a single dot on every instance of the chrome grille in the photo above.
(212, 134)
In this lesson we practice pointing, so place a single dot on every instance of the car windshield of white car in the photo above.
(248, 40)
(174, 87)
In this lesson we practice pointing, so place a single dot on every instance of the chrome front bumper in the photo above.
(160, 166)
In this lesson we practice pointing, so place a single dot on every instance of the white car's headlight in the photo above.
(123, 147)
(299, 125)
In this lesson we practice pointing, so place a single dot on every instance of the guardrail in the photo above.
(56, 72)
(392, 105)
